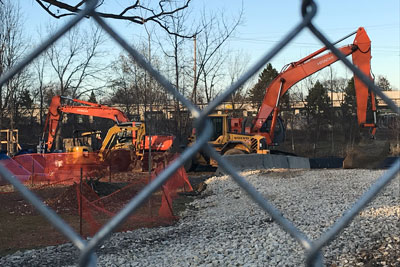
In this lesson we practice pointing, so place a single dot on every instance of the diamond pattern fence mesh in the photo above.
(312, 248)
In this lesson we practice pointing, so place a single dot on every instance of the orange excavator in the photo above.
(267, 123)
(267, 118)
(122, 139)
(56, 109)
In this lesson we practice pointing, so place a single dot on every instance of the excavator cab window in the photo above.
(265, 128)
(217, 123)
(124, 137)
(279, 132)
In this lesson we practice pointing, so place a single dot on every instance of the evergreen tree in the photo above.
(92, 98)
(24, 106)
(318, 103)
(352, 131)
(25, 100)
(256, 94)
(318, 116)
(383, 83)
(349, 105)
(90, 120)
(349, 113)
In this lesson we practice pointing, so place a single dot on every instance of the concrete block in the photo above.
(268, 161)
(298, 162)
(275, 161)
(246, 162)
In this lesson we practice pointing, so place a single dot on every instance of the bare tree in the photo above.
(131, 85)
(138, 12)
(12, 48)
(201, 77)
(176, 50)
(127, 85)
(42, 87)
(122, 91)
(236, 65)
(75, 62)
(215, 30)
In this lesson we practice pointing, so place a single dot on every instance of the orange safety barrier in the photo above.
(96, 209)
(178, 180)
(64, 168)
(88, 192)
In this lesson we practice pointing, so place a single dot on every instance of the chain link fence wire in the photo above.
(312, 249)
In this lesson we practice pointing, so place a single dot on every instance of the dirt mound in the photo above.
(366, 155)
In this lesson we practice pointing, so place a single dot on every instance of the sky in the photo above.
(265, 23)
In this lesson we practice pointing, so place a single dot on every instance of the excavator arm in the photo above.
(56, 110)
(297, 71)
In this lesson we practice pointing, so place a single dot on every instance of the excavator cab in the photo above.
(89, 139)
(218, 126)
(279, 130)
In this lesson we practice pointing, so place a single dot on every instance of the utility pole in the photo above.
(148, 85)
(151, 107)
(195, 70)
(332, 113)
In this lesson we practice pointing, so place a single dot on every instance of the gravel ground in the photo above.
(223, 227)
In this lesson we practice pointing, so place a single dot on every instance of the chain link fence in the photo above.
(312, 248)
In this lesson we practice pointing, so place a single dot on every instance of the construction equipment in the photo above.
(83, 140)
(267, 123)
(367, 153)
(297, 71)
(56, 109)
(125, 142)
(227, 140)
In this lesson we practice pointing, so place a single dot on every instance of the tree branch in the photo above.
(157, 16)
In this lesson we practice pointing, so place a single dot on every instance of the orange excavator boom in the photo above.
(297, 71)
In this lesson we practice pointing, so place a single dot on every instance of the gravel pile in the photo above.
(223, 227)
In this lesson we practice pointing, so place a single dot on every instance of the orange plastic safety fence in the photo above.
(102, 200)
(179, 180)
(97, 191)
(55, 168)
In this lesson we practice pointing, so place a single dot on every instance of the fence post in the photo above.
(81, 204)
(33, 171)
(109, 173)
